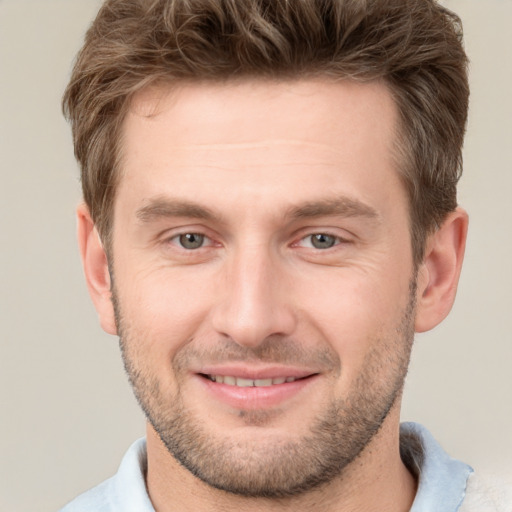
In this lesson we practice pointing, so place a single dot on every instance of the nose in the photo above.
(255, 301)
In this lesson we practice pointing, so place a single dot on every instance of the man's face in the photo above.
(263, 276)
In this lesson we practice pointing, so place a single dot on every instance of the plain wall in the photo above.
(67, 412)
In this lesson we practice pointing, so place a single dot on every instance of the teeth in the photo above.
(242, 383)
(263, 382)
(246, 383)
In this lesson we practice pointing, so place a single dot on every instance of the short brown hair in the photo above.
(414, 46)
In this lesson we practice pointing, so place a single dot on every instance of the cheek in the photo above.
(164, 308)
(353, 311)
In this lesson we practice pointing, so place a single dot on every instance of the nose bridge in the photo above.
(254, 303)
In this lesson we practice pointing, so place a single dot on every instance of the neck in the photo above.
(376, 481)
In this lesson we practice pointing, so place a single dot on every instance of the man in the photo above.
(269, 215)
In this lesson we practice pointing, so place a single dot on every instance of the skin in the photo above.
(258, 168)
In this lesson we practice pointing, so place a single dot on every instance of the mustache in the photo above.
(274, 350)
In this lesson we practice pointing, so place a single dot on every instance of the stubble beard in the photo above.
(278, 468)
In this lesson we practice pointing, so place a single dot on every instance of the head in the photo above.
(273, 184)
(414, 47)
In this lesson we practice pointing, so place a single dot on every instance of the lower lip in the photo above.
(256, 397)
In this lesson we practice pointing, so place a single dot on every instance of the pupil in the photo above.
(191, 240)
(322, 241)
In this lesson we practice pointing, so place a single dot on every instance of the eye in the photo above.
(191, 241)
(320, 241)
(323, 241)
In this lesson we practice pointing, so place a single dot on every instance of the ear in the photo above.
(95, 264)
(439, 273)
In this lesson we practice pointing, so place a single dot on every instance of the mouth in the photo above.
(246, 389)
(248, 383)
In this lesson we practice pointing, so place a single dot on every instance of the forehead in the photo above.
(282, 141)
(241, 111)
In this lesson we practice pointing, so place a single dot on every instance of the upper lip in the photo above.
(255, 372)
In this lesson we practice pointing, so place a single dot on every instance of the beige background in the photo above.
(67, 414)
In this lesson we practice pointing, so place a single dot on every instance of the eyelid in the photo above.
(170, 235)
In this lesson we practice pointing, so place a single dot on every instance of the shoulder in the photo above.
(488, 493)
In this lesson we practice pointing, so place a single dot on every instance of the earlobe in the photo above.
(438, 275)
(95, 264)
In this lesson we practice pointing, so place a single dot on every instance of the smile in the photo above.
(247, 383)
(254, 388)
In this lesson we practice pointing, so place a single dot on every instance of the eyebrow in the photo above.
(161, 207)
(343, 207)
(167, 208)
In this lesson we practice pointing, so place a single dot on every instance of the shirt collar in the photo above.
(441, 479)
(129, 486)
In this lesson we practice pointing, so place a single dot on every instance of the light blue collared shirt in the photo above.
(441, 479)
